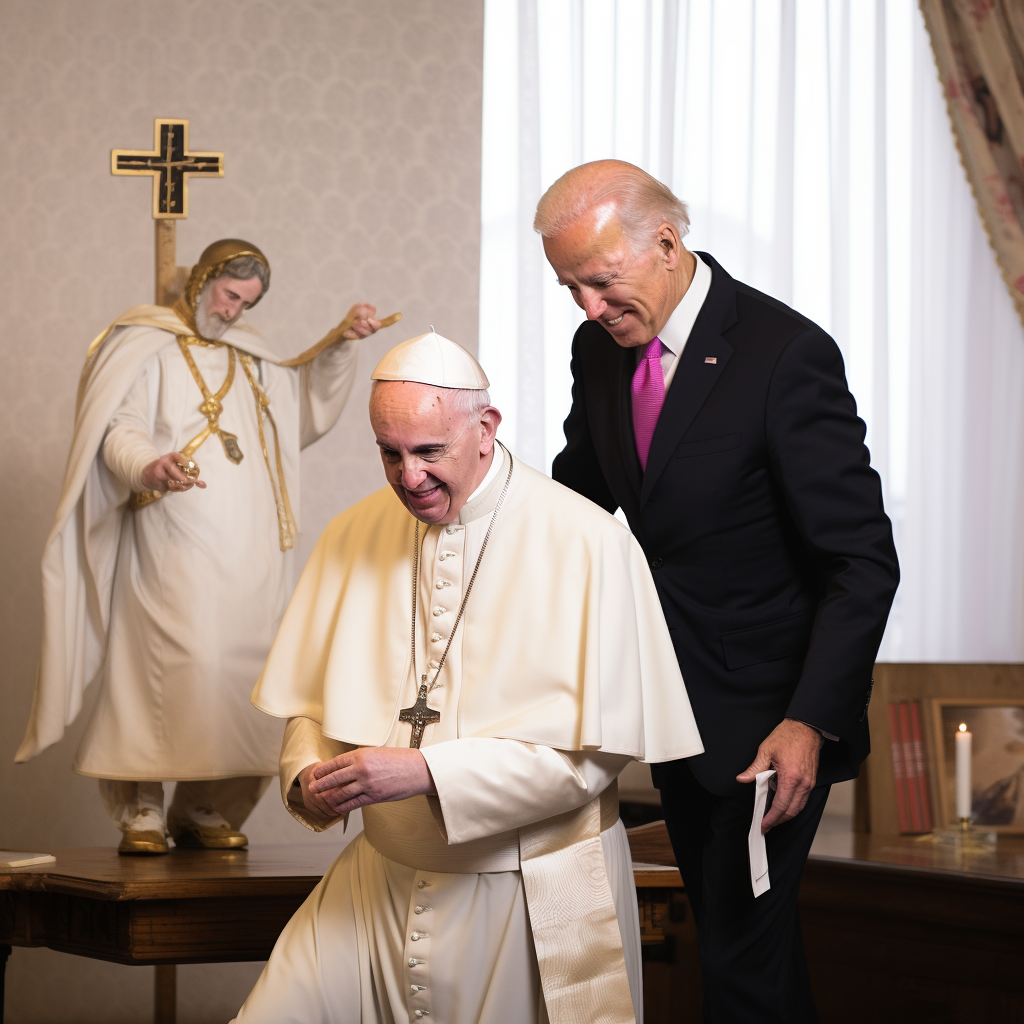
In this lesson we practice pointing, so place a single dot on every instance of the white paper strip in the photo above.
(755, 841)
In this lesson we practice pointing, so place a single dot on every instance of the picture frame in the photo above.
(997, 760)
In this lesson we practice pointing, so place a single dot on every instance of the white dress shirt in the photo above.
(675, 333)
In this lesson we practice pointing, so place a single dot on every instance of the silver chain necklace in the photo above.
(419, 714)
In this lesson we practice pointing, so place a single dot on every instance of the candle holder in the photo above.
(964, 836)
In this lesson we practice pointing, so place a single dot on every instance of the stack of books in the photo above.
(913, 801)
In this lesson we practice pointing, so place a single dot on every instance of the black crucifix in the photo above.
(170, 164)
(420, 716)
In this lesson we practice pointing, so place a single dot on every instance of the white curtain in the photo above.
(811, 141)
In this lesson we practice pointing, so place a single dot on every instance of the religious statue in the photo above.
(471, 656)
(164, 581)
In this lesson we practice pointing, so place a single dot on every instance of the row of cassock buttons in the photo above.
(420, 908)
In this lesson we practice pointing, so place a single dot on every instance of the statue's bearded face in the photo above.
(222, 301)
(435, 453)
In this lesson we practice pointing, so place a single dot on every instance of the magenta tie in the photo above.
(648, 398)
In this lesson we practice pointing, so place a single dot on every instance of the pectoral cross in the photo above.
(170, 164)
(420, 716)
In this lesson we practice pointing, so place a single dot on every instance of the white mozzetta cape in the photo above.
(563, 638)
(82, 551)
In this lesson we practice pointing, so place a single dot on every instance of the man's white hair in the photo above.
(468, 401)
(641, 202)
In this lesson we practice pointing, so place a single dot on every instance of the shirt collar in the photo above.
(676, 332)
(482, 501)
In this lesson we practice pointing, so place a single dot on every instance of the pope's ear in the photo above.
(490, 420)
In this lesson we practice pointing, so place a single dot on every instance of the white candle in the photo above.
(963, 772)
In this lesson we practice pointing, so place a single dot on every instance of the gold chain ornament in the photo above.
(211, 407)
(285, 519)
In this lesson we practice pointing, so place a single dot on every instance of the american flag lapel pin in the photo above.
(711, 359)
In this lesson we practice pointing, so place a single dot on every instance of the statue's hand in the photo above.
(364, 321)
(164, 474)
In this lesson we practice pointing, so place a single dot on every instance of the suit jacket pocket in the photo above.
(784, 638)
(709, 446)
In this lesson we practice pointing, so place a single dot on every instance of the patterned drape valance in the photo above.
(979, 50)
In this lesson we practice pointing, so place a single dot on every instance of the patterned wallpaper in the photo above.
(351, 131)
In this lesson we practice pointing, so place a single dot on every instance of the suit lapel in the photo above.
(704, 358)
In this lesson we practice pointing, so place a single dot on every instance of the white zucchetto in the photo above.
(431, 359)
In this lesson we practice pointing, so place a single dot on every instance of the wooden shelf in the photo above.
(876, 792)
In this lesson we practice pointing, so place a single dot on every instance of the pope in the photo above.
(472, 655)
(165, 581)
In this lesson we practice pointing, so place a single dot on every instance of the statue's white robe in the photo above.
(172, 607)
(561, 672)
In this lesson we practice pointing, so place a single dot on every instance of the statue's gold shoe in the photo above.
(147, 841)
(210, 837)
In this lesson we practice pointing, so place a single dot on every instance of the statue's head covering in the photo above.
(431, 359)
(211, 265)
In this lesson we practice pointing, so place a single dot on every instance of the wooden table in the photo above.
(191, 906)
(897, 929)
(203, 906)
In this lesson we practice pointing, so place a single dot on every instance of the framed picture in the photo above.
(997, 759)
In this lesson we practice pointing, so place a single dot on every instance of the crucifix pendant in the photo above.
(420, 716)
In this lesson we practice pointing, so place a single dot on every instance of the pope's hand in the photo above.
(164, 474)
(792, 749)
(364, 322)
(366, 775)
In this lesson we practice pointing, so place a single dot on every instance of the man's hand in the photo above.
(164, 474)
(364, 322)
(366, 775)
(316, 804)
(792, 749)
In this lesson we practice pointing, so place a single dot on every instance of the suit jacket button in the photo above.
(657, 563)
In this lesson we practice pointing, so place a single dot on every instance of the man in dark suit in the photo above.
(720, 421)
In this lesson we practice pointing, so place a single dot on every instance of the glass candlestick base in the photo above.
(964, 836)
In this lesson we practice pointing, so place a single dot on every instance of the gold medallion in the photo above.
(231, 449)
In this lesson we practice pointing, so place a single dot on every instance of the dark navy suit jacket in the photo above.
(761, 519)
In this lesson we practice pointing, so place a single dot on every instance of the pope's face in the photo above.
(229, 298)
(628, 294)
(434, 455)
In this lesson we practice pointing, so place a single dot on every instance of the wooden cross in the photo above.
(420, 716)
(170, 164)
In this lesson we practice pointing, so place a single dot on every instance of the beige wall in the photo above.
(351, 131)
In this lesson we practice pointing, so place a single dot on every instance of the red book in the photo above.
(910, 769)
(899, 776)
(922, 767)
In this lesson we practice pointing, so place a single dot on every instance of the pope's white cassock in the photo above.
(509, 896)
(172, 605)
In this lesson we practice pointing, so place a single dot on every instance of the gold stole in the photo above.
(211, 408)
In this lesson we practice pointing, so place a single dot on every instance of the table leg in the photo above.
(165, 994)
(5, 952)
